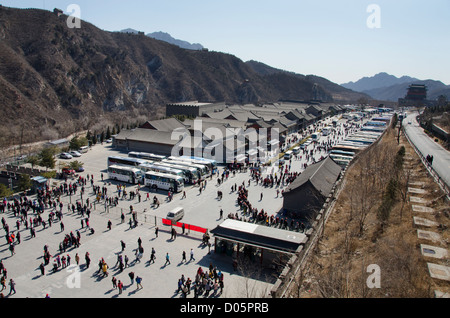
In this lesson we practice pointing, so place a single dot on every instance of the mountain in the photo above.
(383, 86)
(55, 80)
(377, 81)
(163, 36)
(338, 93)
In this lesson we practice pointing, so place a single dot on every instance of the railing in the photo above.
(444, 187)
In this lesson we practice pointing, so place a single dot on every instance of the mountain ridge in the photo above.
(56, 81)
(384, 86)
(166, 37)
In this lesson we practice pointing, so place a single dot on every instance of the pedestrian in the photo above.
(77, 258)
(120, 286)
(12, 286)
(167, 259)
(138, 282)
(42, 268)
(156, 231)
(152, 256)
(88, 259)
(192, 255)
(131, 275)
(123, 245)
(114, 282)
(183, 256)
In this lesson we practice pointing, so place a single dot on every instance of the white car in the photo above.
(75, 154)
(65, 155)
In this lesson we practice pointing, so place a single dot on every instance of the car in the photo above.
(75, 154)
(80, 169)
(65, 155)
(68, 171)
(109, 140)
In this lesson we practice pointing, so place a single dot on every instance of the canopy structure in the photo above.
(260, 236)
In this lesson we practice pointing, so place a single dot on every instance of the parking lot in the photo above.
(159, 280)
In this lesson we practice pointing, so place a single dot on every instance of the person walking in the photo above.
(192, 255)
(120, 286)
(152, 256)
(156, 231)
(88, 259)
(131, 275)
(167, 259)
(12, 286)
(114, 282)
(183, 256)
(139, 282)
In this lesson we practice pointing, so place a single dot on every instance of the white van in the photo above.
(83, 149)
(288, 155)
(176, 214)
(296, 150)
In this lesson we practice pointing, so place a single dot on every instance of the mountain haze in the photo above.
(383, 86)
(55, 80)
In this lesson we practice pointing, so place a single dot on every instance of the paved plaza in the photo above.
(159, 280)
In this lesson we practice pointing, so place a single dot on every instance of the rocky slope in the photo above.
(55, 80)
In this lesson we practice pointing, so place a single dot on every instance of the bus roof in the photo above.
(124, 168)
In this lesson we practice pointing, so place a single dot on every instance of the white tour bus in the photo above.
(125, 174)
(211, 162)
(125, 161)
(164, 181)
(206, 167)
(146, 156)
(201, 169)
(190, 174)
(153, 167)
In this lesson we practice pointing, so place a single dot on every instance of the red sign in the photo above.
(186, 226)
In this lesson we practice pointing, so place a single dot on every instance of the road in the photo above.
(427, 146)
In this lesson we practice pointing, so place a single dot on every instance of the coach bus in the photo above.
(125, 174)
(169, 182)
(203, 168)
(153, 167)
(211, 162)
(146, 156)
(190, 174)
(207, 165)
(125, 161)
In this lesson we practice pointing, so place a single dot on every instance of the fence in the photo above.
(444, 187)
(115, 213)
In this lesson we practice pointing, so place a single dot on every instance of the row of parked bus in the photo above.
(160, 172)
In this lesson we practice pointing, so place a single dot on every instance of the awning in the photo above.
(261, 236)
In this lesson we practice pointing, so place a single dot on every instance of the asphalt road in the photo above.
(427, 146)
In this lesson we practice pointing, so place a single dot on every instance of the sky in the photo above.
(341, 40)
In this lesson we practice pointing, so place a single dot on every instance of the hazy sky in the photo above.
(329, 38)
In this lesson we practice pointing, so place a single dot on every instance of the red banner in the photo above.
(186, 226)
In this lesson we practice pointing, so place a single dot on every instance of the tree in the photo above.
(24, 182)
(47, 157)
(75, 165)
(108, 133)
(5, 191)
(33, 160)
